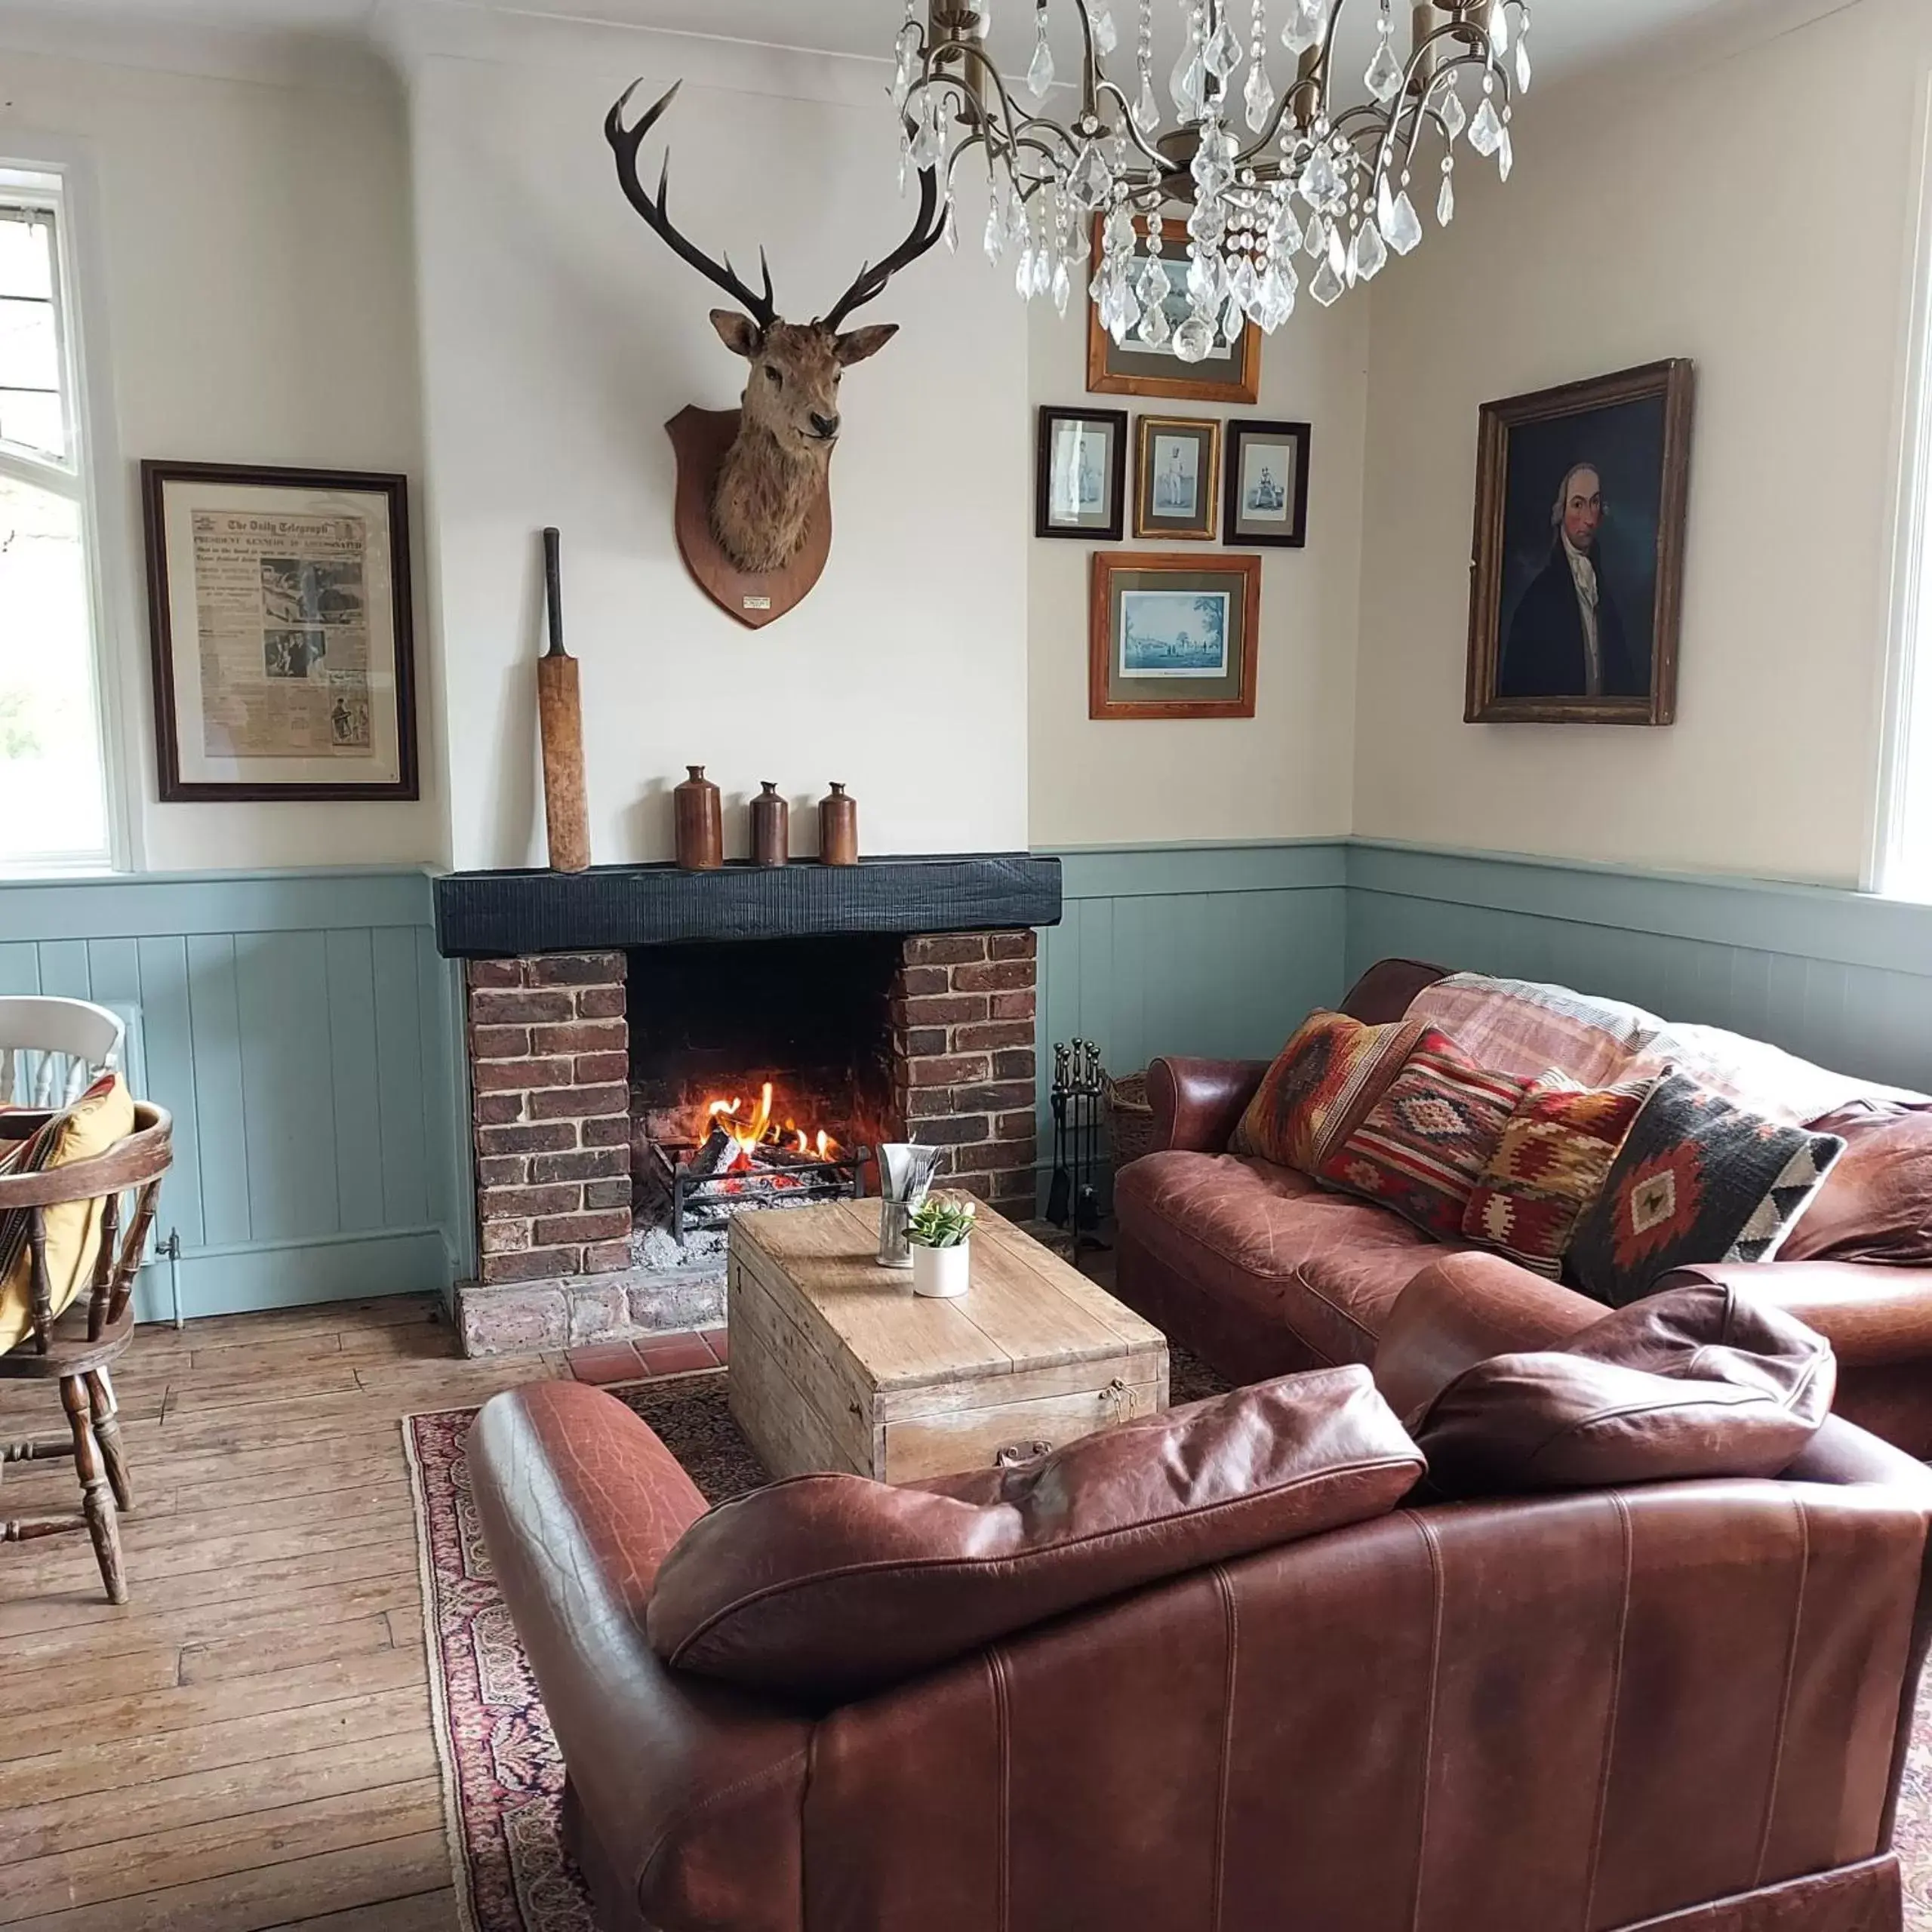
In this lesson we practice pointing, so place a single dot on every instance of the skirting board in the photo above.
(294, 1274)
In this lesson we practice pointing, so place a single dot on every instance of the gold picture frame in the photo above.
(1172, 635)
(1578, 572)
(1176, 478)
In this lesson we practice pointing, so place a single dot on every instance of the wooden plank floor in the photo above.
(247, 1745)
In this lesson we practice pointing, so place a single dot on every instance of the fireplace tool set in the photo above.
(1077, 1097)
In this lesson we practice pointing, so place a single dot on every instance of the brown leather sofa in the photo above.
(1681, 1706)
(1258, 1272)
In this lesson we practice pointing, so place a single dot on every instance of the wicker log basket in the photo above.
(1129, 1119)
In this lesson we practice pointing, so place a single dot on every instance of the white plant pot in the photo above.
(942, 1272)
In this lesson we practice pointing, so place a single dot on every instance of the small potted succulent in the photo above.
(940, 1231)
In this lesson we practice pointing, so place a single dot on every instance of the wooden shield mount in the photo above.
(701, 437)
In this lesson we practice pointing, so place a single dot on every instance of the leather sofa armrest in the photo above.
(695, 1789)
(1872, 1315)
(1463, 1309)
(1198, 1103)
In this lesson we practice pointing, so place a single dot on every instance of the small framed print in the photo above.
(1232, 374)
(1081, 491)
(279, 608)
(1267, 490)
(1172, 636)
(1177, 475)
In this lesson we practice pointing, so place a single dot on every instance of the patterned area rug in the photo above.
(503, 1775)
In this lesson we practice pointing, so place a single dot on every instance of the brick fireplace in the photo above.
(581, 1060)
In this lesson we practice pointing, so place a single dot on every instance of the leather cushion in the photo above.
(1326, 1267)
(1384, 990)
(1876, 1203)
(1322, 1082)
(1694, 1382)
(828, 1586)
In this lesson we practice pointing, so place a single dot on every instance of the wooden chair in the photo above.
(50, 1049)
(77, 1349)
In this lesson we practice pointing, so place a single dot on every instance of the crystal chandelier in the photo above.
(1305, 178)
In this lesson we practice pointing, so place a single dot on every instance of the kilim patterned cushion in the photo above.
(1697, 1180)
(1322, 1082)
(1421, 1147)
(1548, 1166)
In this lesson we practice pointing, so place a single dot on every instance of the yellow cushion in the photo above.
(73, 1229)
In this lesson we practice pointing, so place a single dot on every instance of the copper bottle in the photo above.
(837, 829)
(700, 822)
(771, 827)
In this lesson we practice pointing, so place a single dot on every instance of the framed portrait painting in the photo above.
(1177, 474)
(279, 609)
(1267, 489)
(1141, 368)
(1081, 491)
(1578, 570)
(1173, 635)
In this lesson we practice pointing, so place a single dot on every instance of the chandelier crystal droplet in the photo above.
(1313, 156)
(1040, 75)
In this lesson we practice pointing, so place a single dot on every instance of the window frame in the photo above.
(32, 465)
(56, 173)
(1905, 737)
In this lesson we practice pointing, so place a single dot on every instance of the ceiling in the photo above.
(1567, 34)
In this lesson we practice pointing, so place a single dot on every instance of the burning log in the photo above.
(718, 1150)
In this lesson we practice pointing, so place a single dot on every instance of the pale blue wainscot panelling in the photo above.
(1842, 978)
(305, 1034)
(302, 1031)
(1217, 949)
(1223, 949)
(1212, 949)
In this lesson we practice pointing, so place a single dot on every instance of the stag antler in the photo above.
(928, 225)
(625, 143)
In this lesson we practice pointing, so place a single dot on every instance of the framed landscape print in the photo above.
(1173, 635)
(1579, 551)
(1177, 478)
(1082, 487)
(1267, 484)
(1233, 374)
(279, 607)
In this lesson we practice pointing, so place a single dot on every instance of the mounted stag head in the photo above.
(773, 478)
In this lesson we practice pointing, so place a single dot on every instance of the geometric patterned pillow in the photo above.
(1550, 1165)
(1321, 1085)
(1698, 1179)
(1423, 1146)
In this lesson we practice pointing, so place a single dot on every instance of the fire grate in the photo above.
(705, 1191)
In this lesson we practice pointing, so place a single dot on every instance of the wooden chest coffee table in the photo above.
(836, 1364)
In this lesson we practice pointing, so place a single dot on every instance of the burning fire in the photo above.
(760, 1127)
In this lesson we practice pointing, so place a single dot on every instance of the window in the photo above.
(53, 785)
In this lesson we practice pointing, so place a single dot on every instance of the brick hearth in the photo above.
(549, 1059)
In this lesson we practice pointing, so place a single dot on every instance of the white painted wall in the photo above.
(254, 282)
(1755, 212)
(1287, 773)
(258, 263)
(560, 334)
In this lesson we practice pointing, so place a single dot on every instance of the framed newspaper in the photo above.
(284, 662)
